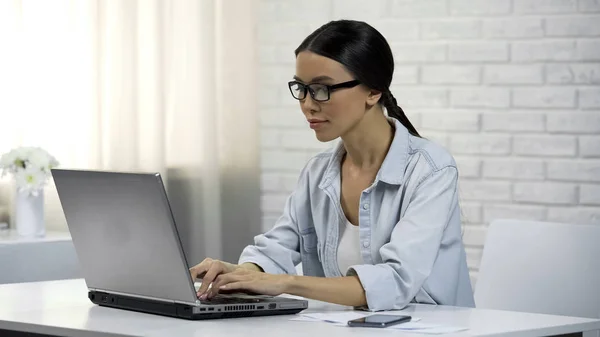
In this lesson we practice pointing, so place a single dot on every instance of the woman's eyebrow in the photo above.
(316, 79)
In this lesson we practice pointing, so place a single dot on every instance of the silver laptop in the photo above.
(130, 252)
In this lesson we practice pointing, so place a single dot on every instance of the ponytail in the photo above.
(393, 110)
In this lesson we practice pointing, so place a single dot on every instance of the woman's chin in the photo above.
(325, 137)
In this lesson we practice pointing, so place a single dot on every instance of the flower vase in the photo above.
(29, 214)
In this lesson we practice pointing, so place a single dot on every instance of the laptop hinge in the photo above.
(143, 297)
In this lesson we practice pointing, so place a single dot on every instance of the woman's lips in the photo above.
(317, 123)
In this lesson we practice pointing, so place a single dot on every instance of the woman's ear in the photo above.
(373, 97)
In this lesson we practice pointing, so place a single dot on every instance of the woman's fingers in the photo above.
(213, 271)
(224, 279)
(198, 270)
(210, 271)
(239, 285)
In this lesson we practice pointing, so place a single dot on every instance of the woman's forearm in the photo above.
(339, 290)
(251, 266)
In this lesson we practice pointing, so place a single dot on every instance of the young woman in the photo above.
(375, 221)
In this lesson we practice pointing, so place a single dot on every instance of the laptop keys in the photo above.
(230, 300)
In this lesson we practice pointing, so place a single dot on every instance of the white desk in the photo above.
(52, 257)
(62, 308)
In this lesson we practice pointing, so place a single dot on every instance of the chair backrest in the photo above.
(541, 267)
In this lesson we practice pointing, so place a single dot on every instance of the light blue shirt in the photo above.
(409, 223)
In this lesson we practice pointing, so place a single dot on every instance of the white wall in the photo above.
(511, 88)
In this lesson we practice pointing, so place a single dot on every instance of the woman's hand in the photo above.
(249, 277)
(208, 270)
(250, 280)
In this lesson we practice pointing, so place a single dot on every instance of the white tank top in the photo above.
(348, 253)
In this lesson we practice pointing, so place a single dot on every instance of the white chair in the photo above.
(541, 267)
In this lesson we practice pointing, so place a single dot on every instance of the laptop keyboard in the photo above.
(231, 300)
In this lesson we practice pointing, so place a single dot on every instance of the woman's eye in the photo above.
(320, 91)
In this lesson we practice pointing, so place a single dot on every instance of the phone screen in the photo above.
(381, 319)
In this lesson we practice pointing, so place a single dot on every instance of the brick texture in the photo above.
(546, 193)
(514, 74)
(514, 168)
(545, 146)
(587, 50)
(589, 146)
(545, 50)
(524, 212)
(557, 73)
(545, 6)
(514, 122)
(513, 28)
(589, 194)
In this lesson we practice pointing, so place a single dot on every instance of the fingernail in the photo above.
(203, 296)
(223, 287)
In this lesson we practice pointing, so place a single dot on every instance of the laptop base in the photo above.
(185, 311)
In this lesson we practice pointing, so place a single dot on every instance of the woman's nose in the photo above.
(308, 103)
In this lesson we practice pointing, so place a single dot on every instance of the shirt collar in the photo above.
(393, 166)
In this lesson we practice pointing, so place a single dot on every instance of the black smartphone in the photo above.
(379, 321)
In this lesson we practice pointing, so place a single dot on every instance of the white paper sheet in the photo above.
(338, 317)
(341, 319)
(335, 317)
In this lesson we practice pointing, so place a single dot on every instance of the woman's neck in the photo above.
(368, 142)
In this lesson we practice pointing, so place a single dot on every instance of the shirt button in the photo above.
(365, 206)
(366, 244)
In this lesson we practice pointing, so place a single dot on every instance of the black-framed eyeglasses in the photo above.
(318, 92)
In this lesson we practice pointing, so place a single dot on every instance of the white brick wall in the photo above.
(576, 25)
(525, 212)
(543, 50)
(514, 122)
(588, 146)
(544, 6)
(510, 87)
(487, 144)
(545, 193)
(514, 168)
(513, 27)
(544, 97)
(589, 194)
(558, 73)
(574, 123)
(480, 97)
(587, 50)
(442, 74)
(450, 29)
(545, 145)
(480, 51)
(514, 74)
(589, 98)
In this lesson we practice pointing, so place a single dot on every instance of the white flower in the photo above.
(16, 158)
(30, 166)
(6, 159)
(9, 161)
(41, 159)
(5, 163)
(31, 180)
(21, 155)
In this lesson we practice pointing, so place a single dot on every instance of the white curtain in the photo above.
(140, 85)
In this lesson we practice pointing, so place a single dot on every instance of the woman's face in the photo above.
(345, 107)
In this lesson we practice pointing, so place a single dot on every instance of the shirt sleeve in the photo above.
(409, 256)
(278, 250)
